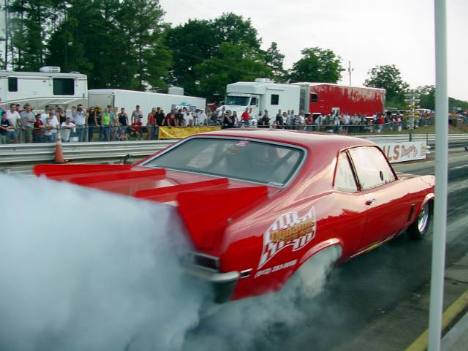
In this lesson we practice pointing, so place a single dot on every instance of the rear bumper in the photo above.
(223, 284)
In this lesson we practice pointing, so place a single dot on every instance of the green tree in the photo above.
(197, 41)
(31, 23)
(116, 43)
(86, 41)
(426, 96)
(235, 29)
(274, 59)
(141, 24)
(235, 62)
(190, 44)
(389, 78)
(317, 65)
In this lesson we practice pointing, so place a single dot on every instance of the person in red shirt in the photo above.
(381, 122)
(136, 129)
(245, 117)
(170, 120)
(151, 124)
(38, 130)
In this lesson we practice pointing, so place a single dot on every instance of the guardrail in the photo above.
(15, 154)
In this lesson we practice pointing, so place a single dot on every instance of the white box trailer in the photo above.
(147, 100)
(263, 94)
(43, 88)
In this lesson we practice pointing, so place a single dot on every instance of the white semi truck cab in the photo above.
(263, 94)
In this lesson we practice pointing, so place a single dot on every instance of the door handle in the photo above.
(370, 201)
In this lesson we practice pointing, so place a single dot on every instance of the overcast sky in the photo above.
(365, 32)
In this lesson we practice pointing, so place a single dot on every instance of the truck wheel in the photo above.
(418, 229)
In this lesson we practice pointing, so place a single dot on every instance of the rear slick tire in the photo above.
(418, 229)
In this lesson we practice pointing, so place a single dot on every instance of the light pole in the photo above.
(441, 173)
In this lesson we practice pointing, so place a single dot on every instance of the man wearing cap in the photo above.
(27, 123)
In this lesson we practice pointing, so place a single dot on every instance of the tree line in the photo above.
(126, 44)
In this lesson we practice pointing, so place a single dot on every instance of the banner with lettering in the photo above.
(402, 152)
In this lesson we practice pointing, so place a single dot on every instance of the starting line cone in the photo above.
(58, 150)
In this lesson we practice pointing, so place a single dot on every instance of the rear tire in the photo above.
(312, 275)
(418, 229)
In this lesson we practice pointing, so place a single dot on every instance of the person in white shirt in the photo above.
(189, 120)
(67, 128)
(201, 117)
(51, 126)
(79, 119)
(15, 120)
(137, 114)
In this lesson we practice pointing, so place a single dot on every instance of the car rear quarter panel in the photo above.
(246, 240)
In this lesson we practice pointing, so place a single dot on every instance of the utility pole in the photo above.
(350, 70)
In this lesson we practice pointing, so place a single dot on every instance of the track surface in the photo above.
(360, 292)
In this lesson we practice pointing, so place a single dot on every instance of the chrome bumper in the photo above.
(223, 284)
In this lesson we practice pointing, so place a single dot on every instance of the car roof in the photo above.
(312, 141)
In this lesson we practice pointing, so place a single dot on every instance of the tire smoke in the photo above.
(86, 270)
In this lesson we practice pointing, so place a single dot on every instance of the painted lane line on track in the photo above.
(451, 315)
(459, 167)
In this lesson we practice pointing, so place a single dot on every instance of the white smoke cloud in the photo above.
(86, 270)
(256, 323)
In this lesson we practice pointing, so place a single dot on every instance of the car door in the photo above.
(351, 221)
(386, 207)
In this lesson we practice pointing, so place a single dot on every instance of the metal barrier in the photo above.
(14, 154)
(34, 153)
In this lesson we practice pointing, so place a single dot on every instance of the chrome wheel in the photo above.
(423, 218)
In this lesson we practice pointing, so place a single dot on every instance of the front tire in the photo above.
(418, 229)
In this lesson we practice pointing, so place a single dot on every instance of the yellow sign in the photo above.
(294, 232)
(183, 132)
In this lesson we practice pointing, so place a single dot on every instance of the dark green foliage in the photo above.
(426, 96)
(274, 59)
(389, 78)
(207, 55)
(31, 25)
(190, 44)
(118, 44)
(317, 65)
(233, 63)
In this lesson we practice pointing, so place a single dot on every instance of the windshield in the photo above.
(237, 100)
(233, 158)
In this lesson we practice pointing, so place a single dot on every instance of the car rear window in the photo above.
(249, 160)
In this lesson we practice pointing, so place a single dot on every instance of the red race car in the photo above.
(259, 204)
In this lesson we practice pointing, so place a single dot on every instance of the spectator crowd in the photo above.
(337, 123)
(19, 124)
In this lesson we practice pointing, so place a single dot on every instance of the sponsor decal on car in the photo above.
(289, 229)
(276, 268)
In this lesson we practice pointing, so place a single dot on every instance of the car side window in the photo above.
(371, 167)
(344, 178)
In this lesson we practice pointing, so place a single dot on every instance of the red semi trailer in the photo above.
(326, 98)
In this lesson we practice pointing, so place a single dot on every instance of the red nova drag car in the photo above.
(259, 204)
